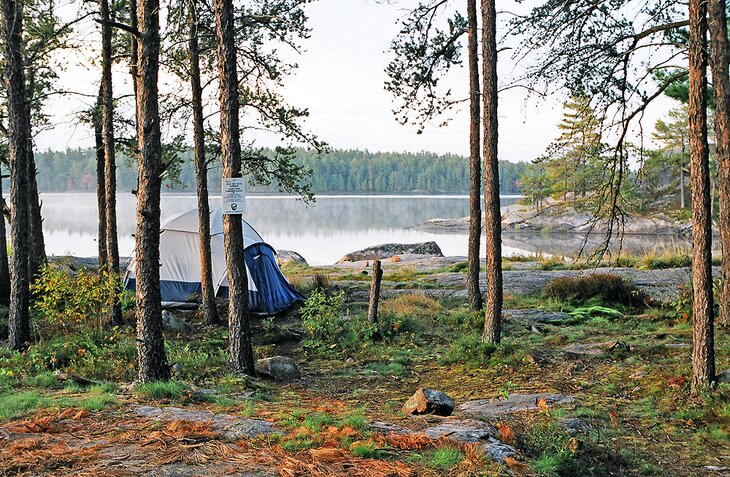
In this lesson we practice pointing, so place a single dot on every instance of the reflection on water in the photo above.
(322, 232)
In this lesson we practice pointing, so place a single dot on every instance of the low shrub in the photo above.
(321, 315)
(74, 299)
(412, 305)
(608, 287)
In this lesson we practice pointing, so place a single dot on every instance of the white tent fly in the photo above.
(269, 292)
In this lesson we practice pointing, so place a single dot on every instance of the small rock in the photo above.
(176, 369)
(497, 450)
(466, 430)
(491, 408)
(171, 322)
(289, 256)
(537, 358)
(678, 345)
(594, 349)
(535, 329)
(575, 425)
(388, 428)
(429, 401)
(724, 377)
(280, 368)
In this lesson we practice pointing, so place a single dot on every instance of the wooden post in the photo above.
(375, 292)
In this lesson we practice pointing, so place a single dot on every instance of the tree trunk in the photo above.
(241, 349)
(719, 57)
(210, 311)
(4, 270)
(375, 292)
(152, 362)
(703, 353)
(18, 146)
(133, 55)
(37, 255)
(110, 166)
(493, 216)
(100, 183)
(682, 194)
(475, 164)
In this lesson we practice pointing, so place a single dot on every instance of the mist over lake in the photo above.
(322, 232)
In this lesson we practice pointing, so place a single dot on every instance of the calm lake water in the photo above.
(322, 233)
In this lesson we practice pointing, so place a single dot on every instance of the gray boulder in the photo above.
(280, 368)
(171, 322)
(429, 401)
(470, 431)
(387, 250)
(289, 256)
(494, 408)
(575, 425)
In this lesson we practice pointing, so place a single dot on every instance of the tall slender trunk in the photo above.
(4, 270)
(37, 255)
(100, 183)
(110, 166)
(682, 194)
(133, 55)
(241, 349)
(210, 311)
(703, 350)
(475, 163)
(152, 362)
(719, 57)
(492, 217)
(18, 145)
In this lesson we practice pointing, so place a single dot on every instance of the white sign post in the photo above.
(233, 193)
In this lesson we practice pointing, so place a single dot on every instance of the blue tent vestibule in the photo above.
(269, 292)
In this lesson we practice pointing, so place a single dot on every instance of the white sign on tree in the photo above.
(233, 194)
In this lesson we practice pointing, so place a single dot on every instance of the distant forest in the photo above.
(340, 171)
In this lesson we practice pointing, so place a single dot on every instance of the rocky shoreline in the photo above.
(561, 218)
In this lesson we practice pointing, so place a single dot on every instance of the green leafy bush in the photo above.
(321, 315)
(73, 299)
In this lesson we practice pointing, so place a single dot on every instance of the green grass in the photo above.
(43, 380)
(162, 390)
(317, 421)
(356, 420)
(16, 405)
(469, 349)
(393, 368)
(551, 465)
(365, 450)
(441, 459)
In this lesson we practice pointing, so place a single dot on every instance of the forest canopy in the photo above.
(340, 171)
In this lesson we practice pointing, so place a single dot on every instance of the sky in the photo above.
(340, 80)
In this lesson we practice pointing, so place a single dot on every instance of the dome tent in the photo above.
(268, 290)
